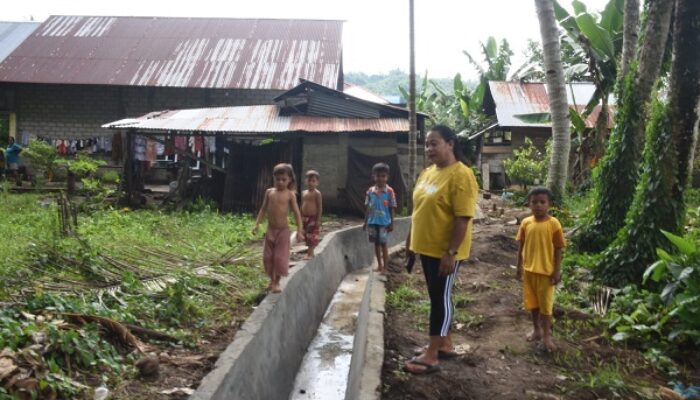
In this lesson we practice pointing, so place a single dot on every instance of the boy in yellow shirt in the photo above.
(539, 263)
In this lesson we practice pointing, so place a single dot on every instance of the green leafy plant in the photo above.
(681, 275)
(111, 177)
(83, 166)
(615, 177)
(43, 157)
(528, 166)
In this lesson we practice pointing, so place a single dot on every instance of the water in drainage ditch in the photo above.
(323, 374)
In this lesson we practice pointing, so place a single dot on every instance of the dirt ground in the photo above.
(490, 328)
(182, 369)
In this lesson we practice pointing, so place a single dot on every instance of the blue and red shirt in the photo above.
(379, 202)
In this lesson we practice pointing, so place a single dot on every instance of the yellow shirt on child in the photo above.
(540, 238)
(440, 195)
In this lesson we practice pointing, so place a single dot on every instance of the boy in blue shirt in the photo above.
(380, 204)
(12, 160)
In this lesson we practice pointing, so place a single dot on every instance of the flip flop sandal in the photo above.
(442, 355)
(429, 368)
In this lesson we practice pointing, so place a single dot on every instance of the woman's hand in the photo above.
(447, 265)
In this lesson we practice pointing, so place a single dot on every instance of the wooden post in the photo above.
(128, 167)
(412, 134)
(228, 201)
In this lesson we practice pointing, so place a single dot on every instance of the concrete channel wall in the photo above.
(262, 361)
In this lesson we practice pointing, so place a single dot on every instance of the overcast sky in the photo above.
(375, 37)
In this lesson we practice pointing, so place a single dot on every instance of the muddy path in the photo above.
(490, 328)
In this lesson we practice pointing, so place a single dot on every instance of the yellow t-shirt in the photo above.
(539, 241)
(440, 195)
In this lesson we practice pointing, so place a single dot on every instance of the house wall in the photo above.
(78, 111)
(328, 154)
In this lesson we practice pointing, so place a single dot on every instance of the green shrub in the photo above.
(667, 317)
(528, 166)
(43, 157)
(111, 177)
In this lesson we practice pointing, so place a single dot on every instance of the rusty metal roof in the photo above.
(12, 34)
(254, 120)
(515, 98)
(178, 52)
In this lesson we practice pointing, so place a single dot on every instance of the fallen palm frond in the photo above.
(120, 331)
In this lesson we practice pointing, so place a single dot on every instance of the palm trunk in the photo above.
(412, 134)
(601, 129)
(558, 104)
(630, 35)
(651, 55)
(685, 90)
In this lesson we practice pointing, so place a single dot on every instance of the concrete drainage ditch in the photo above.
(321, 338)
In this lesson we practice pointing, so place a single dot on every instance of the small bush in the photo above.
(529, 166)
(111, 177)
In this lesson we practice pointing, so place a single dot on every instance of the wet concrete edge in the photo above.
(365, 380)
(262, 360)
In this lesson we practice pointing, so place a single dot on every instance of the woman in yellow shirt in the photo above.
(444, 202)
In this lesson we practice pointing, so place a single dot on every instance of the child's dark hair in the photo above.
(380, 168)
(449, 135)
(287, 169)
(313, 173)
(540, 190)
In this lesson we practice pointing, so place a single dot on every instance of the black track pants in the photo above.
(440, 291)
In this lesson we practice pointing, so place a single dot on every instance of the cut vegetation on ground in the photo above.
(140, 302)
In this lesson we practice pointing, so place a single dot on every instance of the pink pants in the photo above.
(276, 252)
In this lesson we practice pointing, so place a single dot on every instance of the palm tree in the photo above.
(630, 34)
(558, 105)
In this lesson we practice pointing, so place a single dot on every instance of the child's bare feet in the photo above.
(269, 286)
(276, 289)
(534, 336)
(549, 344)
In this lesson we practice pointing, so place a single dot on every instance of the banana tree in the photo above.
(599, 37)
(497, 61)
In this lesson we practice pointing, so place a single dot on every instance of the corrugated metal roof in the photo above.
(364, 94)
(178, 52)
(12, 34)
(515, 98)
(254, 120)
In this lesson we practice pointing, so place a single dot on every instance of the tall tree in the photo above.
(618, 171)
(558, 104)
(412, 124)
(668, 157)
(630, 34)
